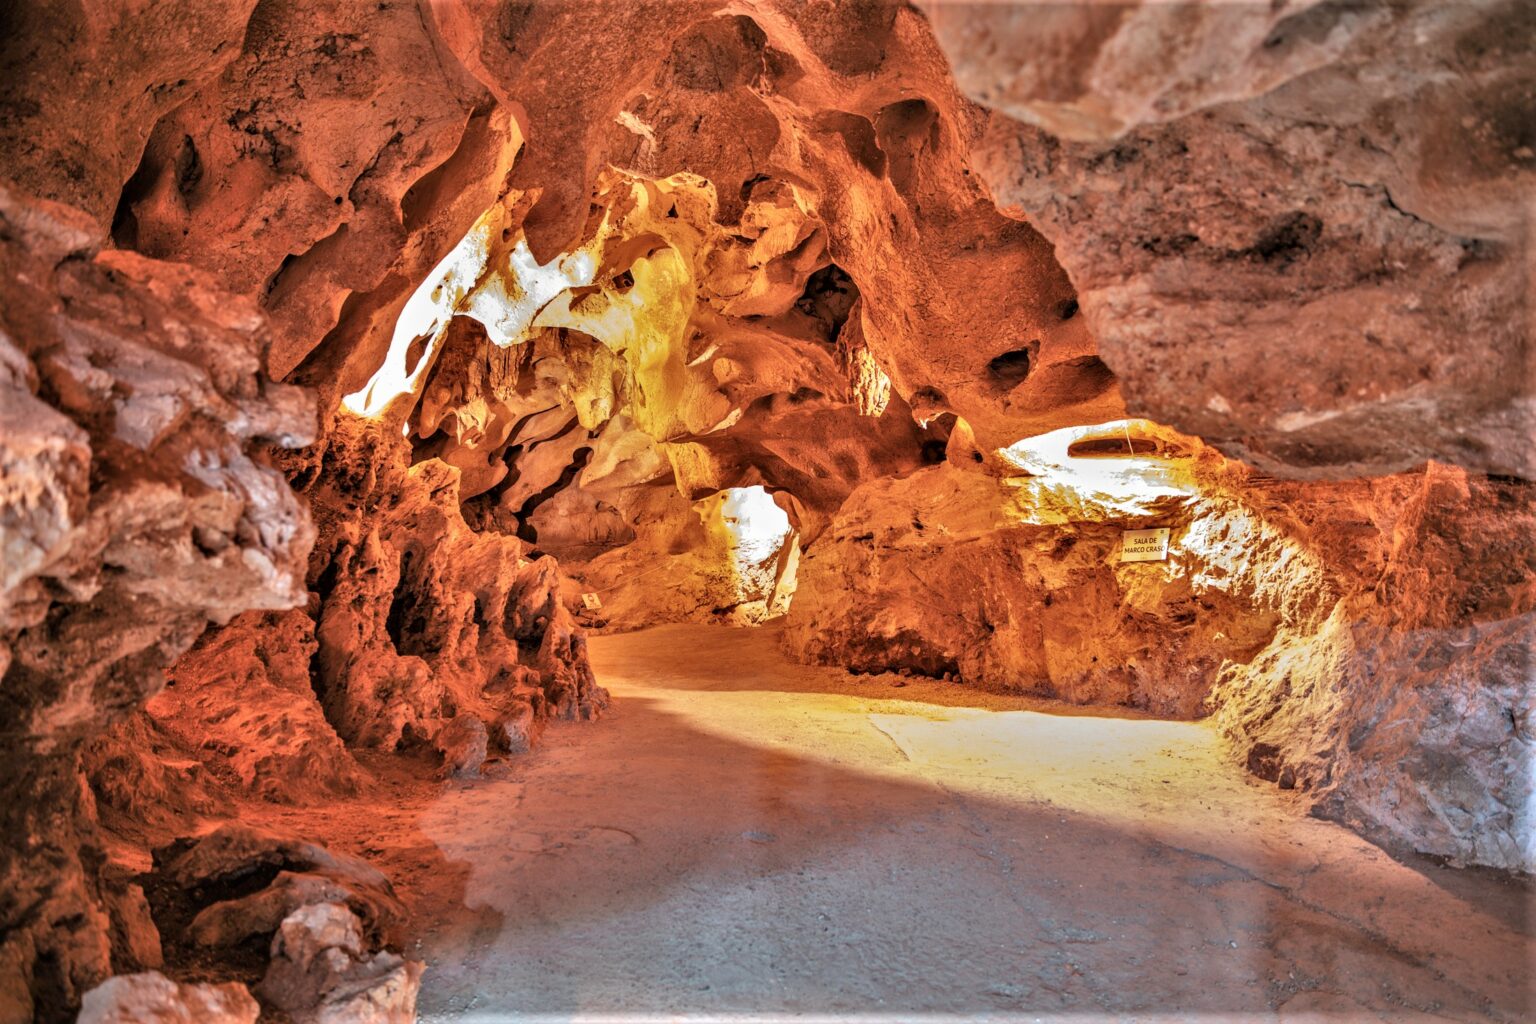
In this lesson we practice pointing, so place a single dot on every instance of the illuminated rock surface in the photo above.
(152, 998)
(1364, 642)
(138, 509)
(358, 362)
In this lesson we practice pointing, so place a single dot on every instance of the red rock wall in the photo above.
(139, 507)
(1407, 706)
(420, 619)
(1328, 194)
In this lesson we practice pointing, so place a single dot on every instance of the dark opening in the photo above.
(1009, 369)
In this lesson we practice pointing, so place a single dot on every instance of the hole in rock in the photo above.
(1010, 368)
(829, 297)
(858, 137)
(907, 132)
(1287, 239)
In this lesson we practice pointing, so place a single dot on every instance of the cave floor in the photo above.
(746, 836)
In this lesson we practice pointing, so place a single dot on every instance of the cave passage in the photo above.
(750, 836)
(711, 510)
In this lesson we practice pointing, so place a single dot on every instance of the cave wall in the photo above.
(1373, 252)
(426, 629)
(140, 503)
(1332, 193)
(1407, 705)
(139, 506)
(1365, 643)
(1386, 218)
(1011, 579)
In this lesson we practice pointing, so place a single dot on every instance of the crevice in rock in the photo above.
(525, 529)
(829, 298)
(1011, 368)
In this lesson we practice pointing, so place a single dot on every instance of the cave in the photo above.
(775, 510)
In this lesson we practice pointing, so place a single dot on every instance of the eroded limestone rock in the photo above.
(218, 892)
(697, 248)
(1366, 643)
(515, 732)
(463, 743)
(421, 619)
(152, 998)
(322, 973)
(1329, 194)
(243, 702)
(230, 922)
(1015, 582)
(137, 508)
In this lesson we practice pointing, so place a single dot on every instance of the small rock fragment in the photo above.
(463, 744)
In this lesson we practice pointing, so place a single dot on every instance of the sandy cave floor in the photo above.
(742, 835)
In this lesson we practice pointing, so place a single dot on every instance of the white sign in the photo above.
(1144, 545)
(591, 602)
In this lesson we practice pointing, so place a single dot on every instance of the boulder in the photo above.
(152, 998)
(230, 922)
(235, 851)
(321, 973)
(463, 744)
(514, 732)
(239, 881)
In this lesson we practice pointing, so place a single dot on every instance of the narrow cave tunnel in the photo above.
(771, 510)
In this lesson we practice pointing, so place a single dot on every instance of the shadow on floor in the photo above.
(721, 845)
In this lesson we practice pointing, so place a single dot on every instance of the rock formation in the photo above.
(138, 508)
(355, 358)
(152, 997)
(1366, 642)
(1379, 218)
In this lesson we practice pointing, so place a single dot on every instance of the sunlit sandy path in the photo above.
(747, 836)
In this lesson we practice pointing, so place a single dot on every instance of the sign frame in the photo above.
(1149, 545)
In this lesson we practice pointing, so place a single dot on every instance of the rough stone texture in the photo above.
(135, 508)
(1368, 643)
(237, 883)
(242, 701)
(146, 782)
(463, 744)
(1407, 704)
(516, 731)
(421, 619)
(231, 922)
(321, 973)
(851, 174)
(85, 83)
(1015, 583)
(135, 939)
(152, 998)
(1324, 191)
(314, 153)
(572, 280)
(629, 380)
